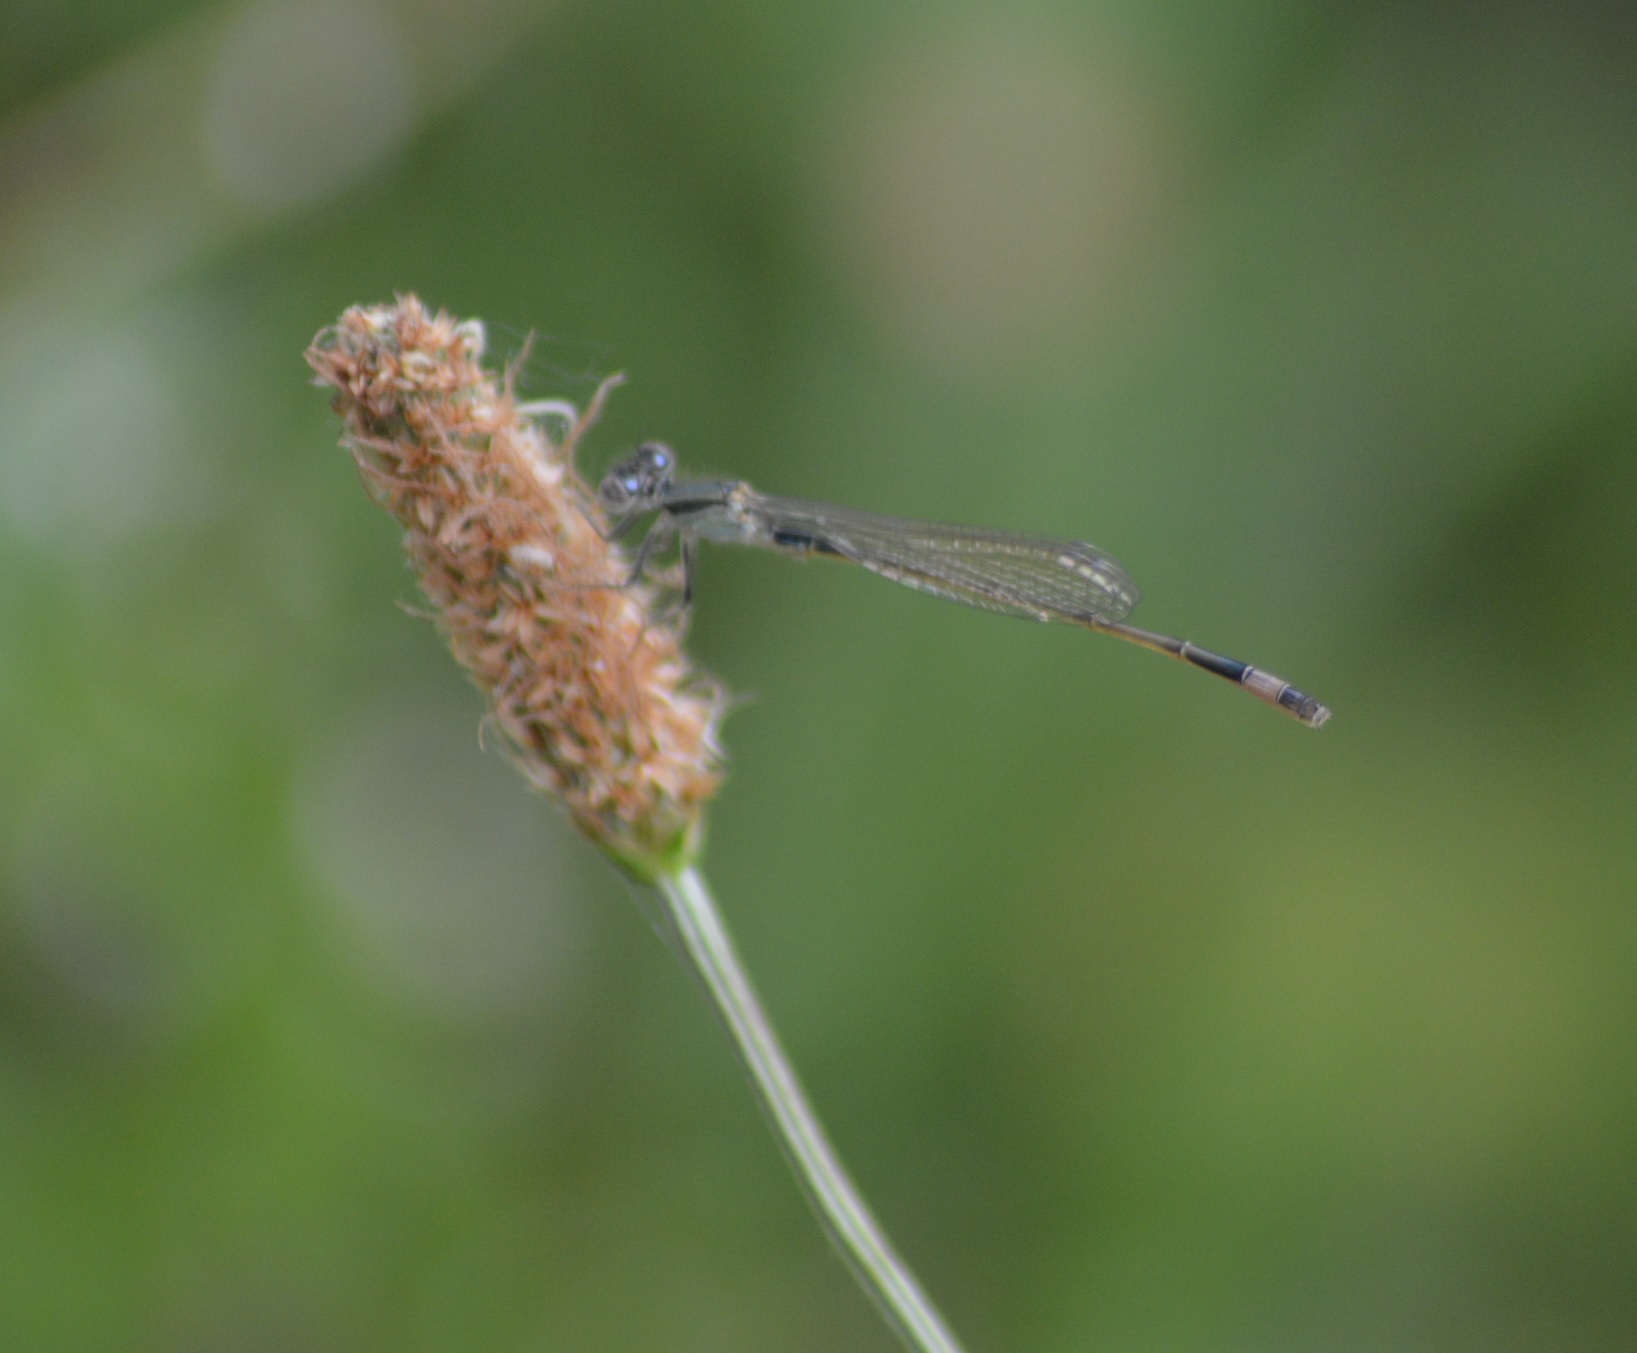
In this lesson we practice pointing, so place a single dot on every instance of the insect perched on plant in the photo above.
(1063, 581)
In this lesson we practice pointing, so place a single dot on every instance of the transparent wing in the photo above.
(1029, 576)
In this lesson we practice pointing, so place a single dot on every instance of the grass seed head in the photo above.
(596, 700)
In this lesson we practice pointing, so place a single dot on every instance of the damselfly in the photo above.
(1066, 581)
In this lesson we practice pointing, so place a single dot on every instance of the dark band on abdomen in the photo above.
(806, 544)
(1266, 687)
(1230, 668)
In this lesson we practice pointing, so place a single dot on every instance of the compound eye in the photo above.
(631, 485)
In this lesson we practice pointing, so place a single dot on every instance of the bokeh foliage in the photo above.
(1148, 1019)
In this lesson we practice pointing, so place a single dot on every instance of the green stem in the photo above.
(693, 926)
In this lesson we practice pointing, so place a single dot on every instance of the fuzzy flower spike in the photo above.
(597, 702)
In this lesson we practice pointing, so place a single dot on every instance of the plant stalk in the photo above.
(691, 924)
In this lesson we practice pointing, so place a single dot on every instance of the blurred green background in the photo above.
(1148, 1019)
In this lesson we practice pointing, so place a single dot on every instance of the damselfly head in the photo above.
(638, 482)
